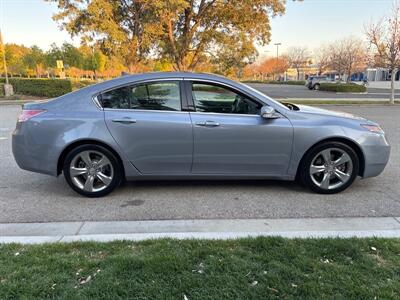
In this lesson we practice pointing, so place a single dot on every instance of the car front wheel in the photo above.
(330, 168)
(92, 170)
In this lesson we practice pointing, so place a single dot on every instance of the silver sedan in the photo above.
(192, 126)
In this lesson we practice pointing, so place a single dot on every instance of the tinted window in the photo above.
(151, 96)
(217, 99)
(156, 96)
(118, 98)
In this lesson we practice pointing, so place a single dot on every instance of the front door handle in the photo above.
(124, 121)
(207, 124)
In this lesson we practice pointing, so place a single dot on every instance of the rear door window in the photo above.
(163, 95)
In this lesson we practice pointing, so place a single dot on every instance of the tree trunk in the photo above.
(393, 78)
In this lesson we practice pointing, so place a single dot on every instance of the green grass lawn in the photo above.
(260, 268)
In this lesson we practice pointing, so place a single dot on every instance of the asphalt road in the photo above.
(30, 197)
(282, 91)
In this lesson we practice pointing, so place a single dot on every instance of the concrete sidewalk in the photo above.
(32, 233)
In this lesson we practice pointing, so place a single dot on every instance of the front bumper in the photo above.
(376, 152)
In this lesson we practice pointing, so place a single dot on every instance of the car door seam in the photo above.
(292, 148)
(121, 152)
(191, 122)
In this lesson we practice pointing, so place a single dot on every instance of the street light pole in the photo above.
(277, 50)
(277, 53)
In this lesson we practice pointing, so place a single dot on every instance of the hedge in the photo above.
(40, 87)
(289, 82)
(1, 89)
(342, 87)
(78, 84)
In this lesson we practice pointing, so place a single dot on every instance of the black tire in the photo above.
(316, 87)
(117, 170)
(305, 173)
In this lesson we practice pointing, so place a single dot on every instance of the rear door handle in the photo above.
(124, 121)
(207, 124)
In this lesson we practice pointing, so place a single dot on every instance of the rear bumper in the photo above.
(376, 154)
(30, 154)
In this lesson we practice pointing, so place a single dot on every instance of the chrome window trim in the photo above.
(139, 82)
(228, 86)
(232, 88)
(97, 102)
(94, 97)
(98, 105)
(278, 106)
(144, 110)
(229, 114)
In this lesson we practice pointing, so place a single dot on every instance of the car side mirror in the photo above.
(268, 112)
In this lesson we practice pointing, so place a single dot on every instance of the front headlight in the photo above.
(372, 128)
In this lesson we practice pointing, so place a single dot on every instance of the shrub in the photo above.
(1, 89)
(289, 82)
(342, 87)
(253, 81)
(78, 84)
(40, 87)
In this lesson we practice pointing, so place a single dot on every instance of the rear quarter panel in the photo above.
(69, 119)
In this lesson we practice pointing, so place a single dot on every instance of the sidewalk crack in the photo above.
(396, 219)
(79, 229)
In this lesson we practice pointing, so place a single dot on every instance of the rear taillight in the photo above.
(27, 114)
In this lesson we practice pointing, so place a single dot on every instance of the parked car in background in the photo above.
(192, 126)
(314, 82)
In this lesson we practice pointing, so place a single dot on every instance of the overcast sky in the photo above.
(309, 23)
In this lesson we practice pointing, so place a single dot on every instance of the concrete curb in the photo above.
(17, 102)
(36, 233)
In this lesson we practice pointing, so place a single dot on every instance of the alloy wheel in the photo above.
(331, 168)
(91, 171)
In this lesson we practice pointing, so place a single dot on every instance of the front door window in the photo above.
(217, 99)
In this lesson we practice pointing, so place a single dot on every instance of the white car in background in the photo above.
(314, 82)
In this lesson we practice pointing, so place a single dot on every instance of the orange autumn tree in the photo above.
(271, 68)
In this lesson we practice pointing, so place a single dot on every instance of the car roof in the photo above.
(126, 79)
(74, 100)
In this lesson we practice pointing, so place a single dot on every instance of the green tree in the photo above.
(34, 59)
(93, 60)
(184, 32)
(71, 56)
(52, 55)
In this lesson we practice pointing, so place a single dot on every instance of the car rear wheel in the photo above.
(330, 168)
(316, 87)
(92, 170)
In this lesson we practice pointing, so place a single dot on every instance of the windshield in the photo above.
(265, 96)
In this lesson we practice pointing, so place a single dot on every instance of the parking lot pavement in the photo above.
(284, 91)
(30, 197)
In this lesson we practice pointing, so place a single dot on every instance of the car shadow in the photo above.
(273, 184)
